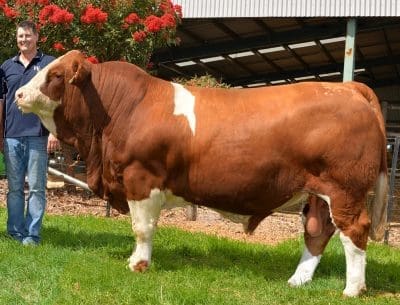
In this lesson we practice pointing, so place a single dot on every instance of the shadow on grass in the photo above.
(76, 240)
(272, 263)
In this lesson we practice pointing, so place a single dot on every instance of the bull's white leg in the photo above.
(144, 214)
(355, 267)
(305, 269)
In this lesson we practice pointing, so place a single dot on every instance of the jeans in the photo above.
(26, 157)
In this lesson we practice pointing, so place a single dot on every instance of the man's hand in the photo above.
(52, 144)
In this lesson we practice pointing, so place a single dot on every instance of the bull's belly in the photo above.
(173, 201)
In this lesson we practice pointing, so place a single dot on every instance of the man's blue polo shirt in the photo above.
(14, 75)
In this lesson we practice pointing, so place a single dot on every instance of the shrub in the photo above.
(104, 30)
(207, 81)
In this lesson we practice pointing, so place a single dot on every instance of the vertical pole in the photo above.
(108, 209)
(349, 52)
(384, 110)
(391, 185)
(191, 212)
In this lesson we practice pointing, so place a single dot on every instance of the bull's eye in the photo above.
(52, 76)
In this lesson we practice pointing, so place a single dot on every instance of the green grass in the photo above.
(82, 260)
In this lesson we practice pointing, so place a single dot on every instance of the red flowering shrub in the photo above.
(93, 59)
(55, 15)
(132, 18)
(139, 36)
(105, 30)
(58, 46)
(153, 24)
(93, 15)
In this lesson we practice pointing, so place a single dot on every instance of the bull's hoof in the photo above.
(140, 266)
(299, 279)
(352, 292)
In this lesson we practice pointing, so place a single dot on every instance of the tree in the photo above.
(104, 30)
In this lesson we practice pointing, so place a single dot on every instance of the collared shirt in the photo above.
(14, 75)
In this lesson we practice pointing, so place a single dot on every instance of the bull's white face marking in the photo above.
(355, 267)
(305, 269)
(184, 105)
(29, 98)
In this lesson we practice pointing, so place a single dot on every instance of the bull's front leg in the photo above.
(144, 215)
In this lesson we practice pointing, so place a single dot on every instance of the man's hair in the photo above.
(27, 24)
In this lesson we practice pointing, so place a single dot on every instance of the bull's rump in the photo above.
(261, 146)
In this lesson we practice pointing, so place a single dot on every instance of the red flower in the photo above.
(3, 3)
(31, 2)
(76, 40)
(54, 14)
(93, 59)
(93, 15)
(23, 2)
(178, 10)
(168, 21)
(132, 18)
(166, 6)
(153, 23)
(10, 12)
(58, 46)
(150, 65)
(139, 36)
(61, 16)
(43, 39)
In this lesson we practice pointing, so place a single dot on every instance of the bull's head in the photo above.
(44, 93)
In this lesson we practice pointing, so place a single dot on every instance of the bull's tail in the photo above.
(378, 210)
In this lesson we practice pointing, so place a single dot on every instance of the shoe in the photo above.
(29, 242)
(15, 237)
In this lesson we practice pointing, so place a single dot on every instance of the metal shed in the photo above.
(269, 42)
(257, 43)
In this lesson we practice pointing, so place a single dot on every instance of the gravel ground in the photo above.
(274, 229)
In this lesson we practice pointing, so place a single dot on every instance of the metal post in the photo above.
(67, 178)
(391, 186)
(191, 212)
(349, 52)
(384, 110)
(108, 209)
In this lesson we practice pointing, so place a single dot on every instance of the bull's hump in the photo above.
(184, 104)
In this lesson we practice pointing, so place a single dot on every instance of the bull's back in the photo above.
(268, 138)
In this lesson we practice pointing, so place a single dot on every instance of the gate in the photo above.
(393, 209)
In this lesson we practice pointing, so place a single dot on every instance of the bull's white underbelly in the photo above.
(173, 201)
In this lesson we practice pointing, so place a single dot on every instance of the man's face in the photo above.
(26, 40)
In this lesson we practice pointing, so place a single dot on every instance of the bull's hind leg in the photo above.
(144, 214)
(353, 222)
(318, 229)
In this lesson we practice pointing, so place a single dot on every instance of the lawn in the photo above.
(82, 260)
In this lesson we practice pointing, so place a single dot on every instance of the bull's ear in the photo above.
(81, 69)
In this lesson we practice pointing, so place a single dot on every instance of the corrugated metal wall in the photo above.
(288, 8)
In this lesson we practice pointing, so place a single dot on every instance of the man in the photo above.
(26, 141)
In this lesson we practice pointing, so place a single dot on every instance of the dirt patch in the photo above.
(272, 230)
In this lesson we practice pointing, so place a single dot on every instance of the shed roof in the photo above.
(289, 8)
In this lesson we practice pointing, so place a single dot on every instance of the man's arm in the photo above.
(2, 107)
(53, 144)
